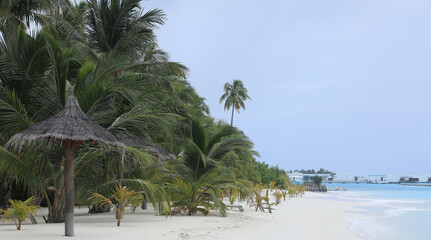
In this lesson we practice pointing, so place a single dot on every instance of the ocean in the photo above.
(392, 212)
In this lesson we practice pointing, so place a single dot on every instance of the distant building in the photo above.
(308, 177)
(382, 178)
(299, 178)
(377, 179)
(296, 177)
(358, 178)
(405, 179)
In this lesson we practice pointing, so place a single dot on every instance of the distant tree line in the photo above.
(270, 173)
(312, 171)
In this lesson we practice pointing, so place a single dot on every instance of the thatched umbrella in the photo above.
(70, 127)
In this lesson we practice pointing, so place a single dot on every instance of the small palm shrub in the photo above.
(233, 195)
(302, 190)
(258, 200)
(284, 194)
(121, 197)
(278, 196)
(192, 197)
(19, 211)
(272, 185)
(266, 199)
(292, 191)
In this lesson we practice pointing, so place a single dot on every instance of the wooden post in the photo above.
(69, 190)
(69, 184)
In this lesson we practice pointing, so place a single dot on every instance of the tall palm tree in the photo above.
(121, 24)
(234, 96)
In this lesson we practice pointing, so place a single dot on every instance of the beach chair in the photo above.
(236, 206)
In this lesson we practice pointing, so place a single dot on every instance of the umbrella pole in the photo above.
(69, 189)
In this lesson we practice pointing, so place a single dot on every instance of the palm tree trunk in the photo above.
(69, 190)
(69, 184)
(121, 172)
(231, 118)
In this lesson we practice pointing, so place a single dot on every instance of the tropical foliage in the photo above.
(108, 52)
(120, 198)
(234, 96)
(19, 211)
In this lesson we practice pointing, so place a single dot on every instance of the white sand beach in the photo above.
(312, 216)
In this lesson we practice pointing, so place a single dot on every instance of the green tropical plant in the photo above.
(258, 202)
(317, 180)
(292, 191)
(107, 50)
(234, 96)
(203, 151)
(197, 196)
(119, 24)
(272, 185)
(267, 201)
(278, 196)
(302, 190)
(233, 194)
(120, 198)
(19, 211)
(284, 194)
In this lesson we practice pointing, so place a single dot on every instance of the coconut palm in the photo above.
(234, 96)
(203, 151)
(107, 51)
(19, 211)
(26, 12)
(120, 24)
(197, 196)
(121, 196)
(202, 172)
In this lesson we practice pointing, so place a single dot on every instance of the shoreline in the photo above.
(314, 215)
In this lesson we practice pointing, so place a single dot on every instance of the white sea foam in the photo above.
(367, 228)
(386, 217)
(394, 212)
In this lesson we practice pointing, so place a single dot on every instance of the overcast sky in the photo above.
(344, 85)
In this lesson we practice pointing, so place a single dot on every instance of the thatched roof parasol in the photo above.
(70, 127)
(69, 124)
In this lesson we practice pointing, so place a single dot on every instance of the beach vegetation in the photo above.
(234, 96)
(176, 155)
(19, 211)
(278, 196)
(120, 198)
(191, 197)
(317, 180)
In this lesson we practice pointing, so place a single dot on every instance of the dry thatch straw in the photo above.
(69, 124)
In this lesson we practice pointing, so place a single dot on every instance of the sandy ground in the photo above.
(314, 216)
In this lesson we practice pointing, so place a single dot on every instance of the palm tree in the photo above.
(203, 171)
(234, 96)
(205, 150)
(19, 211)
(119, 24)
(121, 196)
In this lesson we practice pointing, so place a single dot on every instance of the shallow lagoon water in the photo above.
(393, 211)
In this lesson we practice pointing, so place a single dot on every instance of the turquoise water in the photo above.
(392, 212)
